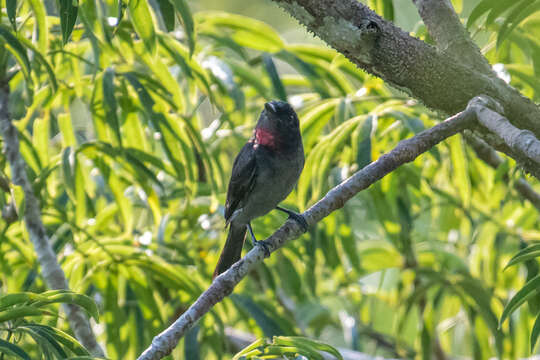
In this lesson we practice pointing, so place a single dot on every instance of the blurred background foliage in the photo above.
(130, 114)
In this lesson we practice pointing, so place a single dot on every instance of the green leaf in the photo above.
(460, 166)
(528, 290)
(259, 343)
(167, 14)
(535, 333)
(187, 19)
(141, 18)
(61, 337)
(40, 15)
(518, 14)
(270, 67)
(41, 59)
(191, 344)
(109, 100)
(11, 7)
(68, 17)
(267, 324)
(306, 343)
(20, 312)
(17, 49)
(529, 252)
(246, 31)
(11, 349)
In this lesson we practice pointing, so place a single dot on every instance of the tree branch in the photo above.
(522, 142)
(452, 38)
(384, 50)
(406, 151)
(51, 271)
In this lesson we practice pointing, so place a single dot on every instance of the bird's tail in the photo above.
(233, 248)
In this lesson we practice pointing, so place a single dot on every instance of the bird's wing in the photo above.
(244, 173)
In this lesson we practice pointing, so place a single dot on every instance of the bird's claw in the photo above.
(265, 247)
(300, 220)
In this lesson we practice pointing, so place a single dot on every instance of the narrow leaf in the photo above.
(141, 18)
(528, 290)
(11, 6)
(68, 17)
(10, 349)
(187, 19)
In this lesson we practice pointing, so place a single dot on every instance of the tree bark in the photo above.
(421, 70)
(50, 269)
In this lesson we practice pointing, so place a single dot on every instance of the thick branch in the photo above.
(490, 157)
(382, 49)
(452, 38)
(51, 271)
(406, 151)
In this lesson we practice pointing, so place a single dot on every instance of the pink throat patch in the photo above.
(265, 137)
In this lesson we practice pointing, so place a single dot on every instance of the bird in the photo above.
(264, 173)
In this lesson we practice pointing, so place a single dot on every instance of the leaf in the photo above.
(528, 290)
(58, 335)
(167, 14)
(141, 18)
(267, 324)
(191, 345)
(40, 15)
(529, 252)
(460, 169)
(246, 31)
(270, 67)
(17, 49)
(518, 14)
(68, 17)
(535, 333)
(41, 59)
(187, 19)
(11, 349)
(259, 343)
(20, 312)
(306, 343)
(109, 100)
(11, 7)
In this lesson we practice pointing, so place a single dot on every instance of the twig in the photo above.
(51, 271)
(406, 151)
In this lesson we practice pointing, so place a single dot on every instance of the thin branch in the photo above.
(51, 271)
(406, 151)
(490, 157)
(452, 38)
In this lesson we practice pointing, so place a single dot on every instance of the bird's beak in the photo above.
(269, 106)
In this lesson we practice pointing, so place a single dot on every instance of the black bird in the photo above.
(264, 173)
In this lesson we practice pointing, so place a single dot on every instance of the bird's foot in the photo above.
(296, 217)
(265, 247)
(262, 243)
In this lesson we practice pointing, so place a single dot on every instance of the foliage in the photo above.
(129, 119)
(51, 343)
(288, 347)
